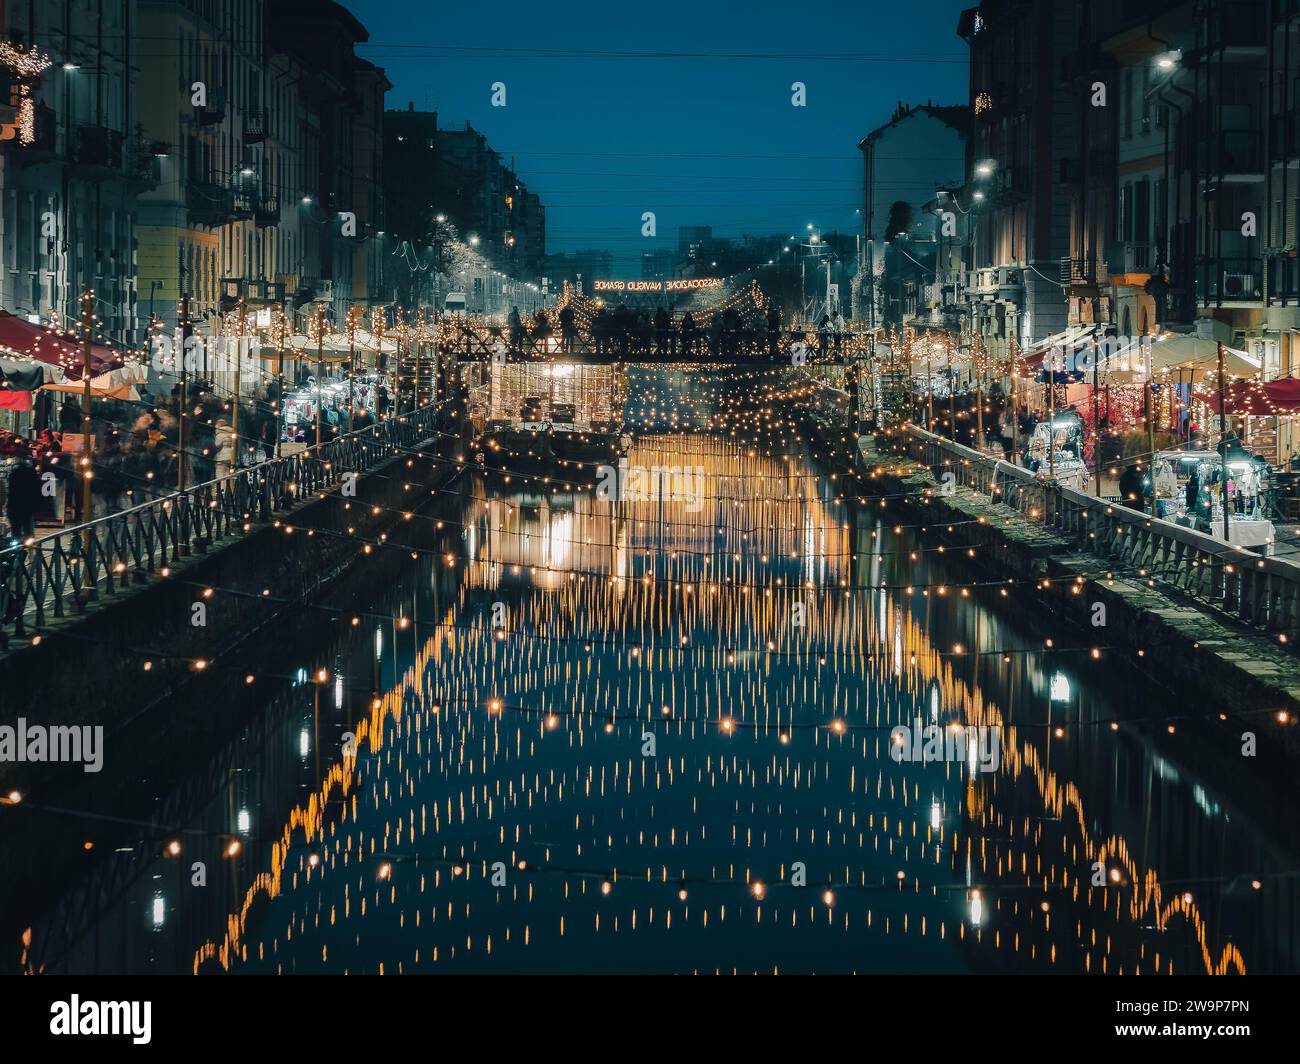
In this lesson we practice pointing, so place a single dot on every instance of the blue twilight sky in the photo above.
(705, 135)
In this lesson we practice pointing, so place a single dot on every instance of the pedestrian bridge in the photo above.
(749, 347)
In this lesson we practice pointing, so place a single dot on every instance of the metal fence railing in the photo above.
(746, 345)
(1258, 591)
(48, 577)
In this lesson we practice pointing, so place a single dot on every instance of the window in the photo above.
(1142, 211)
(1126, 103)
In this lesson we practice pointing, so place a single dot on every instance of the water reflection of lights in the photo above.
(551, 776)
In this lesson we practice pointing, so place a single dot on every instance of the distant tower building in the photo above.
(690, 238)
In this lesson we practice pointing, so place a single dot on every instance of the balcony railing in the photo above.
(1285, 141)
(266, 211)
(253, 292)
(1082, 271)
(1232, 152)
(209, 203)
(98, 147)
(255, 127)
(214, 112)
(1229, 280)
(1283, 280)
(1234, 24)
(1122, 258)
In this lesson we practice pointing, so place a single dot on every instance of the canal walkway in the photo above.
(51, 583)
(1175, 602)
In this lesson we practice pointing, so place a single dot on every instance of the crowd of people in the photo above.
(628, 331)
(137, 453)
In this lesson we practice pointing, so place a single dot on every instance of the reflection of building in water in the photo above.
(737, 504)
(563, 395)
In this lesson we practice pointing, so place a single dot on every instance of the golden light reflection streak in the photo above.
(1143, 904)
(932, 666)
(310, 816)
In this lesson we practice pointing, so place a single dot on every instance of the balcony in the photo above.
(1237, 24)
(1232, 155)
(252, 293)
(215, 111)
(1283, 280)
(1229, 281)
(266, 211)
(210, 204)
(1285, 141)
(255, 127)
(1082, 273)
(1128, 258)
(98, 148)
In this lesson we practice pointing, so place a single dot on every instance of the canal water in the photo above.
(582, 732)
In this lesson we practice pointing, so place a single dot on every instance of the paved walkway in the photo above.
(1212, 644)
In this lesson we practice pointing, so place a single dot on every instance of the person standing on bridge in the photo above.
(837, 330)
(622, 330)
(773, 327)
(715, 334)
(600, 329)
(516, 326)
(663, 331)
(689, 337)
(644, 332)
(731, 327)
(541, 328)
(568, 328)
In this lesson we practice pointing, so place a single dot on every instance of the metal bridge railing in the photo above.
(791, 346)
(43, 579)
(1257, 591)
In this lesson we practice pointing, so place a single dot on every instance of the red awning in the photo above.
(54, 348)
(1256, 398)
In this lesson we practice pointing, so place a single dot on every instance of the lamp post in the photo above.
(184, 357)
(1096, 421)
(234, 405)
(87, 437)
(952, 398)
(320, 365)
(1223, 449)
(1015, 409)
(352, 362)
(929, 389)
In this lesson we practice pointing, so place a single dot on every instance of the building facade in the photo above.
(70, 174)
(469, 186)
(267, 131)
(921, 149)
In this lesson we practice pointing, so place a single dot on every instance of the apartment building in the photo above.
(70, 175)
